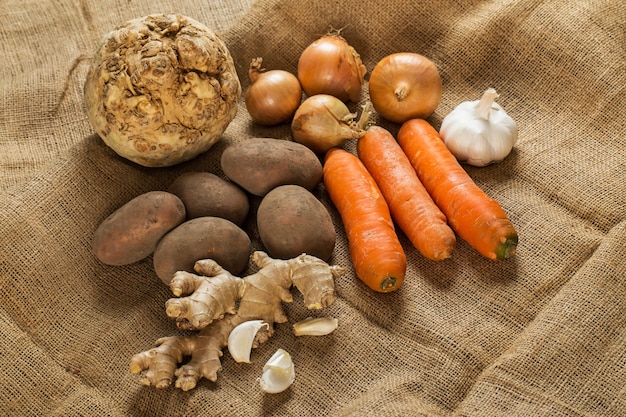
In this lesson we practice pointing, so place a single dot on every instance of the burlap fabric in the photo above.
(543, 334)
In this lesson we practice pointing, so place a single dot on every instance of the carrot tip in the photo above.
(507, 248)
(390, 283)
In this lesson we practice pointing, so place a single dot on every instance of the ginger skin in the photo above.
(215, 302)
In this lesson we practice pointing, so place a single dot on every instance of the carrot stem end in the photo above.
(507, 249)
(388, 284)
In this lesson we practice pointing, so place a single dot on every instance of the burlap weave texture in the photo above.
(543, 334)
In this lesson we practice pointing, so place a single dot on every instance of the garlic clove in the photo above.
(320, 326)
(278, 373)
(241, 338)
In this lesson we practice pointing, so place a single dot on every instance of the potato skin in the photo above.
(207, 195)
(133, 231)
(202, 238)
(292, 221)
(261, 164)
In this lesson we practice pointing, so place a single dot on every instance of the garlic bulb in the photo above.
(278, 373)
(479, 132)
(320, 326)
(241, 338)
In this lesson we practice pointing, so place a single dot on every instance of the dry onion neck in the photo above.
(366, 115)
(255, 69)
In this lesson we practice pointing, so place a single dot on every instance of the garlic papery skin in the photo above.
(479, 132)
(320, 326)
(278, 373)
(241, 339)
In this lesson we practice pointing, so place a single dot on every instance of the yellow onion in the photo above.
(323, 121)
(273, 96)
(331, 66)
(405, 86)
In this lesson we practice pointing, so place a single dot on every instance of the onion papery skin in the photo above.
(324, 121)
(273, 96)
(405, 86)
(331, 66)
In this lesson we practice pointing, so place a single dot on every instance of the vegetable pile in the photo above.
(195, 230)
(195, 233)
(414, 181)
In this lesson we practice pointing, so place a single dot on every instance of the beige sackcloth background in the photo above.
(543, 334)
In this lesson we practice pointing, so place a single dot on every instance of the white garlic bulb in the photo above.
(310, 326)
(479, 132)
(241, 338)
(278, 373)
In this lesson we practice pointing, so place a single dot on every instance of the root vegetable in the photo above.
(471, 213)
(411, 206)
(207, 195)
(132, 232)
(377, 254)
(212, 294)
(291, 221)
(200, 238)
(161, 89)
(259, 165)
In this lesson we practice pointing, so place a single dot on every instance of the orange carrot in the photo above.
(410, 204)
(376, 253)
(472, 214)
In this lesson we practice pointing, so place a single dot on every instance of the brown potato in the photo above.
(258, 165)
(202, 238)
(133, 231)
(207, 195)
(292, 221)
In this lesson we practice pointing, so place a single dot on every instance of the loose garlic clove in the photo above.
(241, 338)
(320, 326)
(278, 373)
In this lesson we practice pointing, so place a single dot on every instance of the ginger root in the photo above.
(215, 302)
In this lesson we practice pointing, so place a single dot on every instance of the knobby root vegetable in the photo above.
(161, 89)
(411, 206)
(377, 255)
(472, 214)
(214, 302)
